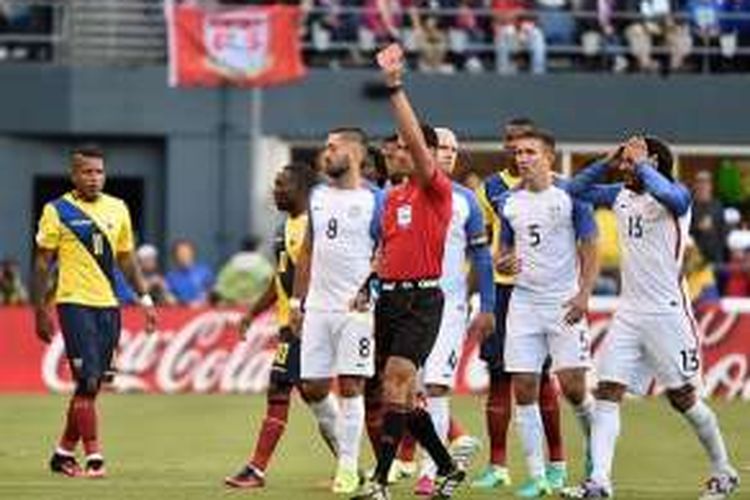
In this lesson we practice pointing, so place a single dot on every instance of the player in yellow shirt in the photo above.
(291, 193)
(498, 407)
(87, 235)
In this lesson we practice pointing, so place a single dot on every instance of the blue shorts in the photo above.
(492, 349)
(285, 369)
(91, 335)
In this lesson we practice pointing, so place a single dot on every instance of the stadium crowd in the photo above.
(505, 36)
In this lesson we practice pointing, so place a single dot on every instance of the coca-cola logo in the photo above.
(202, 355)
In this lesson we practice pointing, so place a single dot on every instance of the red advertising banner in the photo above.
(243, 47)
(199, 351)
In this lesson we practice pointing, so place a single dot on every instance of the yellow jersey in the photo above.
(287, 247)
(87, 237)
(488, 194)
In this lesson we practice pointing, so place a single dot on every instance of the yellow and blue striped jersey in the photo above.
(488, 193)
(87, 237)
(287, 247)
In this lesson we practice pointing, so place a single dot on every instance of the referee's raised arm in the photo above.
(391, 62)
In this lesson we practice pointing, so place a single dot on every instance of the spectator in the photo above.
(700, 276)
(657, 26)
(601, 37)
(556, 21)
(736, 273)
(148, 259)
(432, 45)
(515, 31)
(707, 227)
(190, 282)
(12, 290)
(245, 276)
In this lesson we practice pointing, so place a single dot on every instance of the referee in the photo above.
(408, 314)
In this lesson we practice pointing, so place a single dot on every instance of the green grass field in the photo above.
(182, 446)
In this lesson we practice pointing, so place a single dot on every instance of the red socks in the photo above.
(277, 414)
(549, 405)
(498, 413)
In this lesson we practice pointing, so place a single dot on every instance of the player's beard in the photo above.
(336, 170)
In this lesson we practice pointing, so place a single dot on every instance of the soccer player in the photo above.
(653, 332)
(499, 398)
(336, 258)
(291, 192)
(466, 235)
(416, 216)
(546, 237)
(87, 233)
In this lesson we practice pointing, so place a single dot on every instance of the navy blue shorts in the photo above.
(492, 349)
(91, 335)
(285, 369)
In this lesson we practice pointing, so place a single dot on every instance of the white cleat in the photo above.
(720, 486)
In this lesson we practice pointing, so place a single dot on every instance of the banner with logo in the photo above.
(243, 47)
(200, 351)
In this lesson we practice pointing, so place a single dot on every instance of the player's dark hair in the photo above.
(664, 158)
(390, 138)
(85, 151)
(543, 136)
(353, 134)
(430, 136)
(377, 160)
(516, 126)
(303, 176)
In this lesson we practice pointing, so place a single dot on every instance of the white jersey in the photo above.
(652, 242)
(466, 223)
(544, 228)
(345, 226)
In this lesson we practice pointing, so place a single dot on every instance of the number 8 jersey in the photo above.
(345, 225)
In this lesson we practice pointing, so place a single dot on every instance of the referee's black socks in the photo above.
(421, 427)
(394, 424)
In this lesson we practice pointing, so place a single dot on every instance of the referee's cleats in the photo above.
(448, 484)
(373, 491)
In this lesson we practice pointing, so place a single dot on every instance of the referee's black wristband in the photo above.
(394, 89)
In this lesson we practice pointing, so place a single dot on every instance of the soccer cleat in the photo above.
(346, 481)
(463, 450)
(534, 488)
(95, 468)
(425, 486)
(447, 485)
(493, 476)
(401, 470)
(248, 477)
(587, 489)
(67, 465)
(557, 475)
(721, 486)
(373, 491)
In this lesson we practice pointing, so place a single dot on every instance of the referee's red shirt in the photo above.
(415, 223)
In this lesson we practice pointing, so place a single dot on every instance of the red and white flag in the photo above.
(243, 47)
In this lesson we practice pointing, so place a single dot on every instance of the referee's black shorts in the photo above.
(407, 320)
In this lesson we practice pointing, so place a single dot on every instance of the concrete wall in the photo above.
(179, 139)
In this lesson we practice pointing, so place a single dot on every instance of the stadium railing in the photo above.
(132, 32)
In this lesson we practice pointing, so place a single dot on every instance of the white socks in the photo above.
(604, 433)
(326, 412)
(439, 410)
(349, 430)
(529, 423)
(585, 414)
(703, 420)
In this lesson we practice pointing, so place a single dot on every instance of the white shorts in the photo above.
(337, 343)
(535, 331)
(440, 367)
(639, 348)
